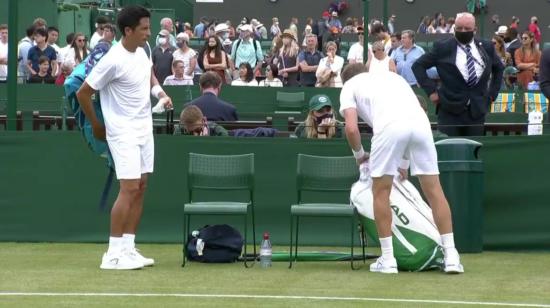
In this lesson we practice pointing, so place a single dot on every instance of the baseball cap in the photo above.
(246, 27)
(501, 30)
(184, 36)
(326, 14)
(164, 32)
(221, 28)
(319, 101)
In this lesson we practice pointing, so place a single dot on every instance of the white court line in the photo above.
(242, 296)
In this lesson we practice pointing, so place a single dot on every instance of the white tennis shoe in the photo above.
(384, 266)
(452, 262)
(134, 253)
(120, 261)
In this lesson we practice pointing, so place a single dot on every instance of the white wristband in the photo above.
(156, 90)
(358, 154)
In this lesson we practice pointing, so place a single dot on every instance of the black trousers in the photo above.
(461, 125)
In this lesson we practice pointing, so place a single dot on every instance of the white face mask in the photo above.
(225, 36)
(162, 40)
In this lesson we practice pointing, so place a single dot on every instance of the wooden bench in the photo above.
(18, 121)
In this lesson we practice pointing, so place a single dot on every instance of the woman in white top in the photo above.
(380, 62)
(187, 55)
(246, 76)
(270, 80)
(329, 69)
(78, 50)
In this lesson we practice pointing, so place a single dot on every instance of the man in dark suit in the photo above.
(513, 44)
(213, 108)
(466, 66)
(544, 73)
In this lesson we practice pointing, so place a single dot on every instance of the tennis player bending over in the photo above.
(125, 81)
(401, 134)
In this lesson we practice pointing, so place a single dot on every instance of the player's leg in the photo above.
(424, 164)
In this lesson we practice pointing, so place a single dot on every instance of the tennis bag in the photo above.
(214, 244)
(416, 240)
(72, 85)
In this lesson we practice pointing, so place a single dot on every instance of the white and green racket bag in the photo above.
(416, 240)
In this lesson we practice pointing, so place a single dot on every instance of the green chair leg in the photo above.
(296, 239)
(290, 248)
(186, 222)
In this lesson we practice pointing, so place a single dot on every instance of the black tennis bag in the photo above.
(214, 244)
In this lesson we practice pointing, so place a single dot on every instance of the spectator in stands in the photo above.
(451, 25)
(187, 29)
(349, 27)
(98, 34)
(64, 50)
(214, 58)
(43, 74)
(323, 27)
(293, 27)
(41, 49)
(309, 60)
(527, 59)
(187, 55)
(211, 106)
(40, 23)
(177, 79)
(512, 42)
(380, 62)
(502, 31)
(78, 50)
(504, 56)
(223, 33)
(335, 22)
(246, 76)
(395, 42)
(534, 28)
(53, 36)
(167, 24)
(200, 27)
(162, 56)
(232, 31)
(271, 80)
(355, 54)
(247, 49)
(179, 26)
(66, 70)
(424, 23)
(544, 74)
(193, 122)
(406, 55)
(109, 34)
(25, 44)
(287, 60)
(329, 69)
(259, 29)
(432, 26)
(515, 22)
(3, 53)
(307, 30)
(381, 34)
(275, 31)
(441, 27)
(320, 122)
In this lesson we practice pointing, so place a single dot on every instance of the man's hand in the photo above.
(403, 174)
(167, 102)
(99, 132)
(363, 159)
(434, 97)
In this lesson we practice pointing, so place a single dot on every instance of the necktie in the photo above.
(470, 63)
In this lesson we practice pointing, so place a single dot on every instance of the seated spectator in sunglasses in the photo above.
(320, 122)
(42, 76)
(193, 122)
(270, 80)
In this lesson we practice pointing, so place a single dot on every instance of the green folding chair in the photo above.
(320, 174)
(220, 173)
(290, 103)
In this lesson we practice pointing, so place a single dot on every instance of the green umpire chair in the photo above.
(322, 175)
(221, 174)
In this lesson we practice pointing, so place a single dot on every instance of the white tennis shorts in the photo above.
(396, 142)
(133, 156)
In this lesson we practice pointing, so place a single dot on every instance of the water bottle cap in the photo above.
(266, 236)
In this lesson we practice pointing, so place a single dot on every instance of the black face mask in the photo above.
(464, 37)
(320, 119)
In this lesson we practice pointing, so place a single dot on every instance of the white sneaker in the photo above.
(452, 262)
(119, 261)
(384, 266)
(134, 253)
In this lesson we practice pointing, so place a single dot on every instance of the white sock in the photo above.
(129, 240)
(448, 241)
(115, 244)
(387, 247)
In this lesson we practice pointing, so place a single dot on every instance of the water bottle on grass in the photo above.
(265, 252)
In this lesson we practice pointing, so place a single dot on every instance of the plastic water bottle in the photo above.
(265, 252)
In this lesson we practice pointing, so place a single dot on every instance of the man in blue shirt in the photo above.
(41, 49)
(247, 49)
(406, 55)
(199, 29)
(309, 60)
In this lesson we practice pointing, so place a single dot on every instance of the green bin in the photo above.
(461, 175)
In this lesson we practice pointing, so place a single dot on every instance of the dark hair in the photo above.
(176, 62)
(41, 32)
(3, 26)
(130, 17)
(217, 49)
(75, 47)
(396, 35)
(249, 72)
(274, 69)
(352, 70)
(52, 29)
(43, 59)
(102, 20)
(69, 38)
(210, 80)
(109, 26)
(377, 28)
(512, 33)
(30, 31)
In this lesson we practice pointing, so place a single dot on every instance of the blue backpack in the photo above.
(72, 85)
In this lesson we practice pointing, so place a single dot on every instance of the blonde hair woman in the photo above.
(329, 68)
(320, 122)
(287, 59)
(380, 62)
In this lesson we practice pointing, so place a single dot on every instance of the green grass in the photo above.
(74, 268)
